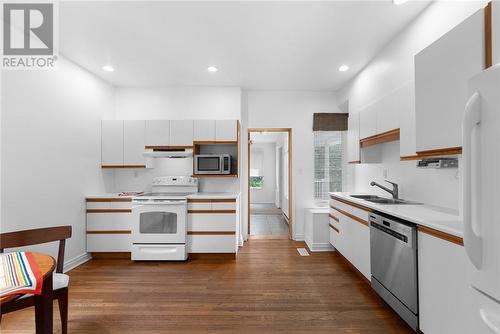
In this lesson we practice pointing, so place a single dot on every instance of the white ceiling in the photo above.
(255, 45)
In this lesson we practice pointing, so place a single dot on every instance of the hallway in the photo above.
(266, 219)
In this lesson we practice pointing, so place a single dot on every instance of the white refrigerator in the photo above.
(481, 197)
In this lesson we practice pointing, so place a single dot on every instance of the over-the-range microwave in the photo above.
(212, 164)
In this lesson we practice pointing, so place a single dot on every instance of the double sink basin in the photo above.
(381, 200)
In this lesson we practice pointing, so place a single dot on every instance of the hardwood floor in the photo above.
(268, 289)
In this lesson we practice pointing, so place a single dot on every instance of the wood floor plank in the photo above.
(269, 288)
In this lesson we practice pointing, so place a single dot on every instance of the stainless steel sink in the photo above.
(381, 200)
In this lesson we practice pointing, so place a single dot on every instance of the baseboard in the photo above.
(320, 247)
(77, 261)
(298, 237)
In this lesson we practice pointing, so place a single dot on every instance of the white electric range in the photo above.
(159, 225)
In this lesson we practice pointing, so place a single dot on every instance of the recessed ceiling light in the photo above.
(212, 69)
(108, 68)
(343, 68)
(399, 2)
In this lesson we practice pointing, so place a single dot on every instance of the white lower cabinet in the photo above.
(445, 296)
(212, 225)
(109, 225)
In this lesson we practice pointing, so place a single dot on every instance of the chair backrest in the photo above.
(38, 236)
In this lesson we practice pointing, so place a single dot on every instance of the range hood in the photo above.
(168, 153)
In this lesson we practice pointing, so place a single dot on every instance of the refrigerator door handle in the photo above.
(492, 321)
(472, 241)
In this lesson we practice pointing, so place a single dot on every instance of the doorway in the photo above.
(270, 213)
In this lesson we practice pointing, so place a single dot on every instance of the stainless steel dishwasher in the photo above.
(393, 251)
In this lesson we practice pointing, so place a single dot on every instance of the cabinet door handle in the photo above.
(472, 239)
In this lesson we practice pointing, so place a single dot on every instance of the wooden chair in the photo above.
(60, 280)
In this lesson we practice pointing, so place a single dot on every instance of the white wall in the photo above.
(266, 195)
(51, 149)
(294, 109)
(389, 70)
(178, 103)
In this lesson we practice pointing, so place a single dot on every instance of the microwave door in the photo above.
(208, 165)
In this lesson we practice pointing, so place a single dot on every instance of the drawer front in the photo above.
(212, 243)
(340, 205)
(109, 221)
(223, 205)
(159, 252)
(109, 242)
(362, 214)
(199, 206)
(334, 237)
(108, 204)
(98, 205)
(211, 222)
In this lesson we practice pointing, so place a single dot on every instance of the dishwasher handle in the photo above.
(403, 237)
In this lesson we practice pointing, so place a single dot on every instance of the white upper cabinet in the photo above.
(204, 130)
(353, 137)
(112, 143)
(368, 122)
(442, 71)
(181, 133)
(133, 142)
(226, 130)
(406, 108)
(157, 133)
(387, 112)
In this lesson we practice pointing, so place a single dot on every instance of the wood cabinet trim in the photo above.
(211, 211)
(380, 138)
(353, 217)
(356, 205)
(354, 162)
(215, 142)
(334, 218)
(488, 37)
(168, 147)
(211, 200)
(439, 152)
(409, 157)
(211, 233)
(103, 200)
(441, 235)
(334, 228)
(109, 232)
(122, 166)
(109, 210)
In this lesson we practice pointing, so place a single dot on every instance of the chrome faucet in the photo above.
(395, 189)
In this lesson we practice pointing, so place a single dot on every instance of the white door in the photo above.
(481, 180)
(112, 143)
(181, 133)
(158, 133)
(204, 130)
(226, 130)
(133, 142)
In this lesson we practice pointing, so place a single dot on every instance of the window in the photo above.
(256, 182)
(327, 163)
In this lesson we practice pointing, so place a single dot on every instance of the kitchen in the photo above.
(145, 155)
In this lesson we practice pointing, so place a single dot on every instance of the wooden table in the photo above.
(43, 302)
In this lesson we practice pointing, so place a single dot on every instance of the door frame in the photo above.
(290, 174)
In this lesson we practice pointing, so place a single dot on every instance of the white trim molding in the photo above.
(76, 261)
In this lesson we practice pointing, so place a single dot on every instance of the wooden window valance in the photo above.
(330, 122)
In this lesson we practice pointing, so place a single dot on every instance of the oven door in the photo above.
(160, 223)
(208, 164)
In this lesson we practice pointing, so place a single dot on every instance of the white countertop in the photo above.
(217, 195)
(438, 218)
